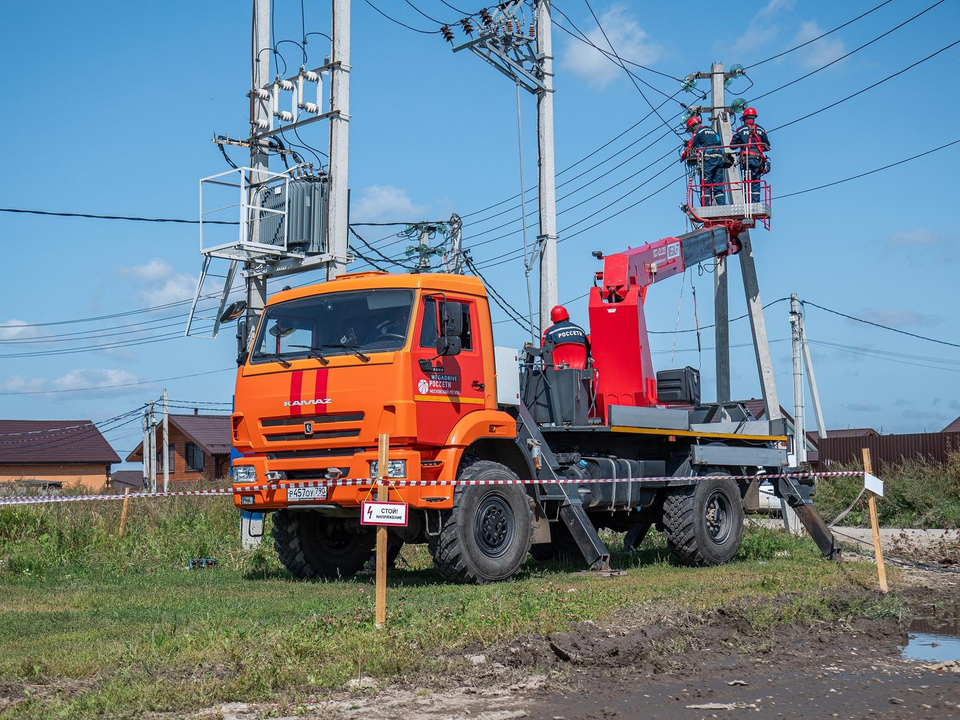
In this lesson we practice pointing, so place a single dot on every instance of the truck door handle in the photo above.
(477, 385)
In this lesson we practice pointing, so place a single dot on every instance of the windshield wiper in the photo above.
(315, 352)
(355, 349)
(272, 356)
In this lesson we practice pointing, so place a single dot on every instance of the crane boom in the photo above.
(618, 328)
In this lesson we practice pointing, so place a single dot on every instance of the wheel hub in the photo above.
(495, 526)
(718, 518)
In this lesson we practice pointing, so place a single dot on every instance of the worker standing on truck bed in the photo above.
(571, 345)
(751, 140)
(706, 146)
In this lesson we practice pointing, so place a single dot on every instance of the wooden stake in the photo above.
(875, 523)
(123, 512)
(383, 494)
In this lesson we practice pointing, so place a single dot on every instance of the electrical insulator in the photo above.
(467, 26)
(509, 26)
(312, 76)
(262, 94)
(447, 34)
(485, 17)
(286, 85)
(689, 83)
(533, 30)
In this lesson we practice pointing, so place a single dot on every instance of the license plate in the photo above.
(298, 494)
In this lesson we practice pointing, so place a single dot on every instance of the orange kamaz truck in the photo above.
(335, 365)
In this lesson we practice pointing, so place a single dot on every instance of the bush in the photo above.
(917, 493)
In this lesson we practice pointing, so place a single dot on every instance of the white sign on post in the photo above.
(383, 513)
(873, 484)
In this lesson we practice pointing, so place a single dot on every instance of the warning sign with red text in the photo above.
(374, 512)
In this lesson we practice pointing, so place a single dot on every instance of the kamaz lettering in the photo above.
(298, 403)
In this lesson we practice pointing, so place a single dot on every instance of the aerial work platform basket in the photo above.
(745, 201)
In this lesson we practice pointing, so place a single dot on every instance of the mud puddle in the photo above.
(935, 640)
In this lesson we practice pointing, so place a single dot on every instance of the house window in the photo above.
(171, 462)
(194, 458)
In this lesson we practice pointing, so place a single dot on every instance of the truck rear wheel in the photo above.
(311, 545)
(704, 522)
(486, 536)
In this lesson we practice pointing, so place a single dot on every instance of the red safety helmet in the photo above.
(559, 314)
(749, 113)
(693, 122)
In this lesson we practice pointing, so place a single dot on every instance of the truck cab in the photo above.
(335, 365)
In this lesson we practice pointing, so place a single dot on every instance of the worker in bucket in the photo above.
(705, 144)
(751, 141)
(571, 344)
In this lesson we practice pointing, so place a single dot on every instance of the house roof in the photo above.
(53, 441)
(953, 427)
(852, 432)
(210, 432)
(127, 478)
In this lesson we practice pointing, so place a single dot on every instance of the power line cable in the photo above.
(846, 55)
(879, 325)
(818, 37)
(868, 172)
(869, 87)
(132, 218)
(402, 24)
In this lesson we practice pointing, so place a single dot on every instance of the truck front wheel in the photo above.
(704, 521)
(311, 545)
(486, 536)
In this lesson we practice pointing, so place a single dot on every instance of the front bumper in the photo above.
(275, 474)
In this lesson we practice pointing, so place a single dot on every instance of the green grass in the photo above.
(93, 625)
(917, 494)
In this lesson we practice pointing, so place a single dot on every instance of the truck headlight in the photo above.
(244, 473)
(395, 468)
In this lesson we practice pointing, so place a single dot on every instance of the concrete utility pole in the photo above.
(721, 300)
(166, 444)
(256, 285)
(799, 438)
(812, 380)
(548, 194)
(748, 270)
(146, 444)
(338, 211)
(153, 448)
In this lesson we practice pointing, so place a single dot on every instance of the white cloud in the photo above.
(921, 237)
(386, 202)
(16, 330)
(762, 29)
(630, 40)
(105, 378)
(159, 284)
(821, 52)
(898, 317)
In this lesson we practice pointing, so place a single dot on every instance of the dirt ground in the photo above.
(655, 664)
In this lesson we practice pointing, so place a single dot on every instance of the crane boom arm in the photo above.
(654, 261)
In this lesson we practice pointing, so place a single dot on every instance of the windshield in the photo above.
(334, 324)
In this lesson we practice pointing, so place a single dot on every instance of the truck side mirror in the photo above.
(233, 311)
(451, 319)
(448, 345)
(451, 326)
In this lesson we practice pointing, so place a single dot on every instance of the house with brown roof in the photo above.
(199, 448)
(55, 453)
(953, 427)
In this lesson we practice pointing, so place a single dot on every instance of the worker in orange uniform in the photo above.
(751, 141)
(705, 142)
(571, 344)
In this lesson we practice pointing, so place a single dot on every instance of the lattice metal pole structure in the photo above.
(527, 59)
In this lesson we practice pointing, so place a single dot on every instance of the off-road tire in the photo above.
(311, 545)
(562, 546)
(693, 539)
(486, 536)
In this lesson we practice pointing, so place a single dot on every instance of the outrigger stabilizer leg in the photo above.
(796, 491)
(567, 496)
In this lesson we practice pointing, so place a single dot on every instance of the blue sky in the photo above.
(112, 112)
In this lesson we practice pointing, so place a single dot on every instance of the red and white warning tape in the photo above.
(367, 482)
